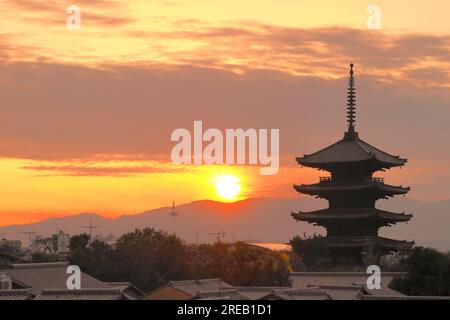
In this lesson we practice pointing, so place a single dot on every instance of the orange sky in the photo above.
(86, 114)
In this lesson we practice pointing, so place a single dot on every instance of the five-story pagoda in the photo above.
(352, 220)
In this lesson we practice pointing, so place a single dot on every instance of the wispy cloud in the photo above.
(94, 168)
(103, 13)
(317, 52)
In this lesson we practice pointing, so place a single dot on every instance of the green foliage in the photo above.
(428, 273)
(43, 257)
(241, 264)
(150, 258)
(312, 250)
(79, 242)
(145, 257)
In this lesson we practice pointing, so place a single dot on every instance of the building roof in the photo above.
(340, 280)
(388, 297)
(340, 292)
(223, 294)
(16, 294)
(351, 214)
(81, 294)
(256, 293)
(48, 281)
(128, 289)
(350, 150)
(298, 294)
(194, 287)
(304, 286)
(39, 276)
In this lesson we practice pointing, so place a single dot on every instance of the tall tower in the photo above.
(173, 214)
(352, 220)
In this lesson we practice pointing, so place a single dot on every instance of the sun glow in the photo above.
(228, 187)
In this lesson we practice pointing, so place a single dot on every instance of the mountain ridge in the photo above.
(255, 219)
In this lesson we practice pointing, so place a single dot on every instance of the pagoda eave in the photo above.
(351, 214)
(348, 242)
(350, 151)
(370, 162)
(321, 189)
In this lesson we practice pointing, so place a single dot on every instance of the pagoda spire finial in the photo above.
(351, 96)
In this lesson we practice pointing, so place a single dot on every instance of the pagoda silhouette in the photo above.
(352, 220)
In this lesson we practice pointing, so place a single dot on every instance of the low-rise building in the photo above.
(304, 286)
(48, 281)
(188, 289)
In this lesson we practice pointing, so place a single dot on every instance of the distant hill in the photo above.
(258, 219)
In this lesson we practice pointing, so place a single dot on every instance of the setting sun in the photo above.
(228, 187)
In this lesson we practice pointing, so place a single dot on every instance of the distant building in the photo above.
(57, 243)
(63, 242)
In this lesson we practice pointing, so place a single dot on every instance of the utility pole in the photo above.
(90, 227)
(218, 235)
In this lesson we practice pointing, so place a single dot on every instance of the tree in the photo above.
(241, 264)
(43, 257)
(147, 258)
(79, 242)
(427, 273)
(150, 258)
(50, 245)
(312, 250)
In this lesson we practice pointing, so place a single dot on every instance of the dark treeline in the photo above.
(313, 254)
(150, 258)
(427, 273)
(426, 270)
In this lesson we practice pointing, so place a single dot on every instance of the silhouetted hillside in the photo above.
(259, 219)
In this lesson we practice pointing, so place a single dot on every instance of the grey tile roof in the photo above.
(15, 294)
(256, 293)
(82, 294)
(39, 276)
(299, 294)
(193, 287)
(308, 279)
(387, 297)
(341, 292)
(223, 294)
(127, 289)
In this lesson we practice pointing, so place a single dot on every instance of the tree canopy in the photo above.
(427, 273)
(149, 259)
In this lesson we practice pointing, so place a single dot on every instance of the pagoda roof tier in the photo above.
(329, 187)
(350, 150)
(351, 214)
(350, 241)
